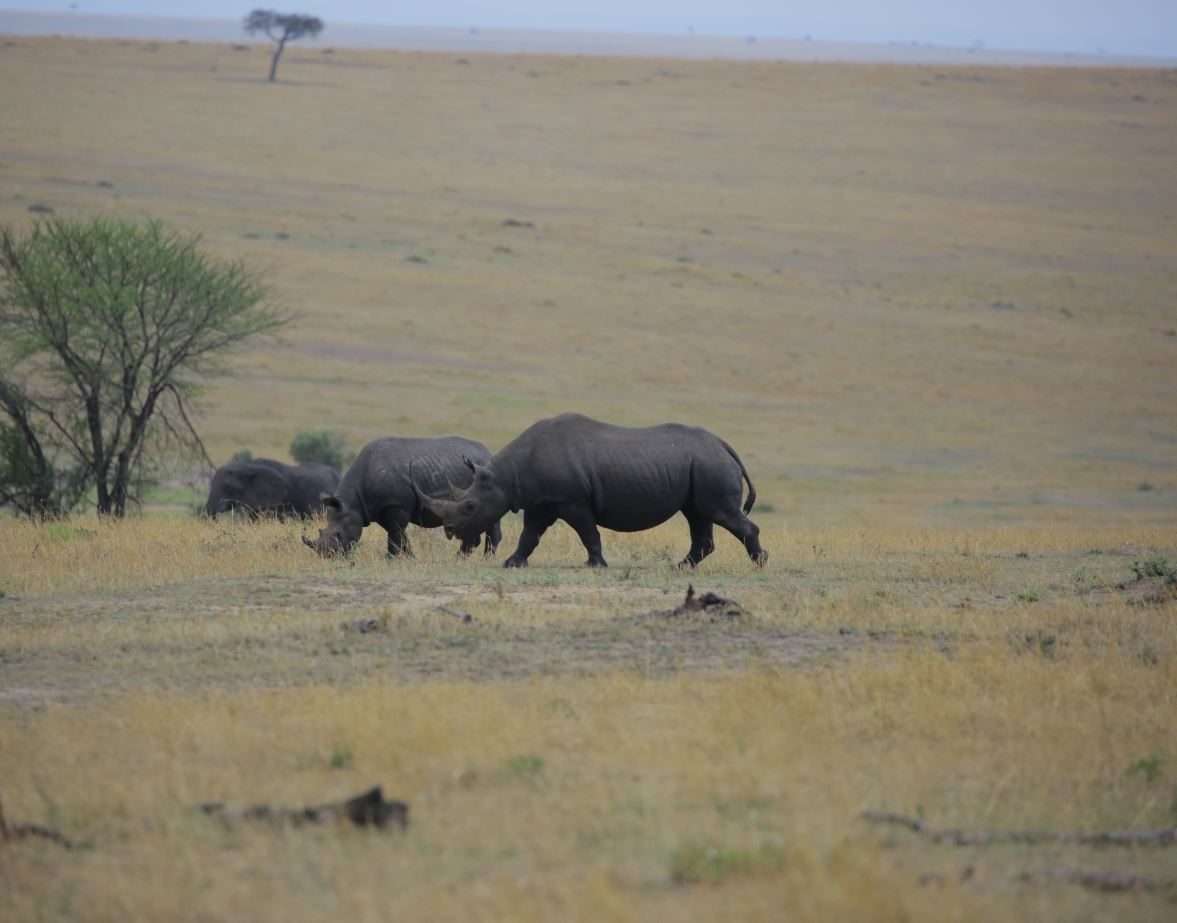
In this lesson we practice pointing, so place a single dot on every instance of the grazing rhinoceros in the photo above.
(590, 473)
(378, 487)
(265, 486)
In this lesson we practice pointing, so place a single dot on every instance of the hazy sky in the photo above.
(1145, 27)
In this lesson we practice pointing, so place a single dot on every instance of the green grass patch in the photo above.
(706, 862)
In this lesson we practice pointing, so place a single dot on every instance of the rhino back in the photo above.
(381, 472)
(632, 478)
(264, 488)
(307, 482)
(259, 485)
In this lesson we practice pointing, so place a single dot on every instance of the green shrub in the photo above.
(1156, 568)
(1148, 767)
(318, 445)
(1030, 595)
(709, 862)
(526, 765)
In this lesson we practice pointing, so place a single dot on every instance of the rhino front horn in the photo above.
(436, 506)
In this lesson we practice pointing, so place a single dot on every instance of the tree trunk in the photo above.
(121, 485)
(40, 502)
(274, 62)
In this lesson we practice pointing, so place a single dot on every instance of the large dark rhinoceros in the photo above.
(267, 487)
(593, 474)
(378, 487)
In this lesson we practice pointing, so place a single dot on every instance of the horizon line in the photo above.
(607, 43)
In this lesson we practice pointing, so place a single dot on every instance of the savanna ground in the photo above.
(933, 308)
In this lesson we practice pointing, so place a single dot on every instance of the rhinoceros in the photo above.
(264, 486)
(590, 474)
(378, 487)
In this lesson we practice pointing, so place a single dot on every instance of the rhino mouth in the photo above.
(449, 532)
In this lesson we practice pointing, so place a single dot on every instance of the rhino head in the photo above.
(345, 525)
(472, 510)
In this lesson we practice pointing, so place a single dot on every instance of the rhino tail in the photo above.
(748, 503)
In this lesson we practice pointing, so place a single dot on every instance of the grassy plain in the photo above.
(932, 307)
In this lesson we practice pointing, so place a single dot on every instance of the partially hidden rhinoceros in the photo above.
(267, 487)
(378, 487)
(591, 474)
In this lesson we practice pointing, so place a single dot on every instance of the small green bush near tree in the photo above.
(319, 445)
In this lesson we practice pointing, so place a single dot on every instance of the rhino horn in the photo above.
(436, 505)
(306, 541)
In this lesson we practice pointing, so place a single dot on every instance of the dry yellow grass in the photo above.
(567, 754)
(564, 797)
(931, 307)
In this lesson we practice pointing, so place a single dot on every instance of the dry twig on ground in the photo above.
(1164, 836)
(14, 833)
(369, 809)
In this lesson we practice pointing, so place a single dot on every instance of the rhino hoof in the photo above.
(514, 562)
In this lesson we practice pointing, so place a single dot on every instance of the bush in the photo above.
(242, 455)
(318, 445)
(108, 332)
(1156, 568)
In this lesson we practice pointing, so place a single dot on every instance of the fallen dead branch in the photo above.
(367, 625)
(15, 833)
(369, 809)
(460, 614)
(1111, 882)
(707, 604)
(1164, 836)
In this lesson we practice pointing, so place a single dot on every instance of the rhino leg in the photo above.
(398, 541)
(494, 536)
(702, 539)
(746, 531)
(586, 527)
(535, 524)
(469, 543)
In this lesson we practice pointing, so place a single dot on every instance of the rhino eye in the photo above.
(469, 506)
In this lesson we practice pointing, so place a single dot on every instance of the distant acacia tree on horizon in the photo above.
(282, 28)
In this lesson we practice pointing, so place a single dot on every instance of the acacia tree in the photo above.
(282, 28)
(107, 332)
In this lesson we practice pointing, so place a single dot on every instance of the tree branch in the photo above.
(1112, 882)
(1164, 836)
